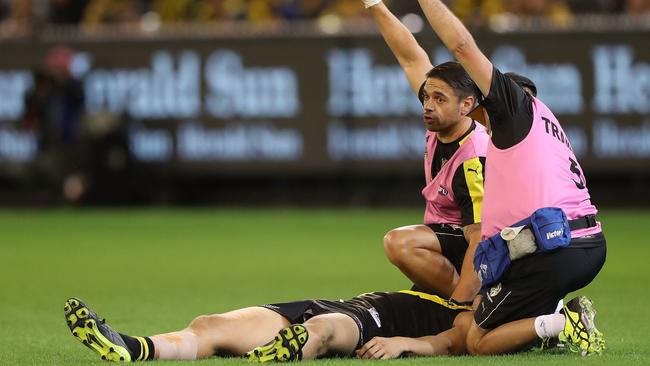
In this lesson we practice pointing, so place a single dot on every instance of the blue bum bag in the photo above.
(550, 228)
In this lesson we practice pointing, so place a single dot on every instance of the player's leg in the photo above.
(331, 334)
(504, 320)
(503, 339)
(574, 326)
(325, 334)
(420, 254)
(231, 333)
(520, 310)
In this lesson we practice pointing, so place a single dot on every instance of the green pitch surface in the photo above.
(151, 271)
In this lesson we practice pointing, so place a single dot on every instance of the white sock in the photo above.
(549, 325)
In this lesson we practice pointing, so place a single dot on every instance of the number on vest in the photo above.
(574, 168)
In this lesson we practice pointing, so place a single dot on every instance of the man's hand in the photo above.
(412, 58)
(383, 348)
(370, 3)
(459, 42)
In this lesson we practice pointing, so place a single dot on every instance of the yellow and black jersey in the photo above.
(468, 180)
(382, 314)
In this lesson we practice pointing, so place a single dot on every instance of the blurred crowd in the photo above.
(87, 157)
(75, 150)
(32, 13)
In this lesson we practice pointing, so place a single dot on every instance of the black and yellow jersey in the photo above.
(382, 314)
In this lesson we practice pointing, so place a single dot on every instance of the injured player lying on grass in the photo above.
(377, 325)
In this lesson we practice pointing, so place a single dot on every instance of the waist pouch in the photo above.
(550, 229)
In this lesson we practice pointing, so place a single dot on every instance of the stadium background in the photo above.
(167, 158)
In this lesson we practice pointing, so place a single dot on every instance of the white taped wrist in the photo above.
(370, 3)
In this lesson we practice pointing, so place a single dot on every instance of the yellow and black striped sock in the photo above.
(141, 348)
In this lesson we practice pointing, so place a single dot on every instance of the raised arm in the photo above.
(409, 54)
(459, 42)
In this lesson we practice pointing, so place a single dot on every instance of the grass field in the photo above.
(151, 271)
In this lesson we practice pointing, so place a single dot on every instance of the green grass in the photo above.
(151, 271)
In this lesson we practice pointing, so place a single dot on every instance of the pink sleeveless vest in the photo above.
(540, 171)
(441, 206)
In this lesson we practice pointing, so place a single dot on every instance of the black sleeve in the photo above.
(510, 110)
(467, 185)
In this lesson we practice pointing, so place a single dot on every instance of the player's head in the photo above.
(447, 95)
(525, 83)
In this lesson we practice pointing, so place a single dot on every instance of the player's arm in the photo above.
(459, 42)
(469, 283)
(387, 348)
(409, 54)
(468, 187)
(449, 342)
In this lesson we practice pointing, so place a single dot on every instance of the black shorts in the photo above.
(383, 314)
(452, 243)
(535, 284)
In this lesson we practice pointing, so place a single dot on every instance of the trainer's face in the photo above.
(443, 109)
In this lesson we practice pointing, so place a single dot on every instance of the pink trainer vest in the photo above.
(540, 171)
(441, 206)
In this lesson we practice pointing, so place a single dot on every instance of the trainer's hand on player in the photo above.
(370, 3)
(382, 348)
